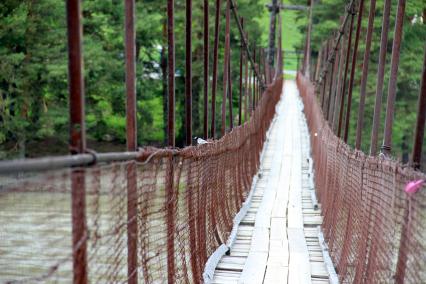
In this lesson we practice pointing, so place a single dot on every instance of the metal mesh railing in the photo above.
(181, 211)
(375, 231)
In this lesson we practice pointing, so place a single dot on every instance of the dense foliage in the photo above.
(33, 71)
(326, 22)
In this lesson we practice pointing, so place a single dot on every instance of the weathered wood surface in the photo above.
(277, 241)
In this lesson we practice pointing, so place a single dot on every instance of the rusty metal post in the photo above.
(259, 92)
(188, 77)
(171, 141)
(77, 140)
(390, 108)
(265, 67)
(324, 79)
(318, 67)
(304, 57)
(215, 63)
(261, 69)
(250, 58)
(334, 60)
(240, 101)
(416, 156)
(338, 91)
(380, 77)
(246, 87)
(401, 263)
(170, 201)
(76, 81)
(132, 226)
(230, 97)
(335, 101)
(130, 51)
(206, 68)
(279, 64)
(225, 65)
(297, 62)
(261, 77)
(353, 66)
(274, 9)
(79, 226)
(348, 54)
(335, 78)
(259, 65)
(131, 135)
(322, 91)
(307, 63)
(364, 77)
(250, 90)
(254, 78)
(171, 72)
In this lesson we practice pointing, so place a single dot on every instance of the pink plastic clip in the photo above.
(413, 186)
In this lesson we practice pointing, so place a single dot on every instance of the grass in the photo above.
(291, 34)
(289, 76)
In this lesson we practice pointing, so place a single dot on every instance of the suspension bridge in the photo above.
(279, 197)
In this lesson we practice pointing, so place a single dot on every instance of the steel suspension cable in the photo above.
(349, 12)
(245, 42)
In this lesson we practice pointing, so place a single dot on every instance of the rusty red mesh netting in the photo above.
(376, 233)
(181, 210)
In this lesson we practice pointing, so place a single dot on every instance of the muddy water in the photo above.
(35, 226)
(35, 235)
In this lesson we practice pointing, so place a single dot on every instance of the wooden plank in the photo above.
(254, 268)
(230, 274)
(265, 209)
(299, 265)
(243, 241)
(278, 254)
(281, 201)
(239, 253)
(312, 220)
(318, 270)
(242, 228)
(278, 229)
(276, 274)
(260, 240)
(225, 279)
(243, 238)
(320, 280)
(241, 247)
(220, 280)
(232, 266)
(316, 259)
(232, 259)
(280, 208)
(288, 141)
(295, 217)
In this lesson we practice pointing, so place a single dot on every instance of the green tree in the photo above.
(326, 22)
(33, 71)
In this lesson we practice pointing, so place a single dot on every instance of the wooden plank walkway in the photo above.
(277, 241)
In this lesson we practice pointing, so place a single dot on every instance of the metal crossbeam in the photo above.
(287, 7)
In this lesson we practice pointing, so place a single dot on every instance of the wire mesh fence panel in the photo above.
(375, 231)
(185, 199)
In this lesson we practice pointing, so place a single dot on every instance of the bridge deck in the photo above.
(278, 240)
